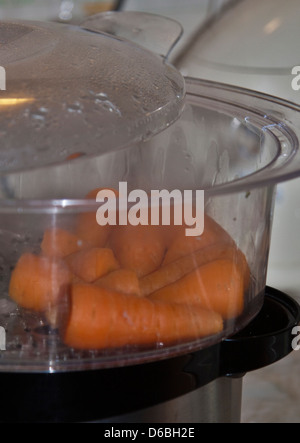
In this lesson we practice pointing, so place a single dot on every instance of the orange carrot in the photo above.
(122, 280)
(99, 319)
(173, 271)
(217, 285)
(37, 282)
(75, 155)
(59, 242)
(76, 279)
(138, 248)
(91, 264)
(87, 226)
(184, 245)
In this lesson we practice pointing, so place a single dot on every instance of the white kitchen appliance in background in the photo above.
(191, 14)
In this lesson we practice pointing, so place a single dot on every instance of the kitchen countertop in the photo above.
(272, 394)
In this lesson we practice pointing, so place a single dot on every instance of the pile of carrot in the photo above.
(113, 286)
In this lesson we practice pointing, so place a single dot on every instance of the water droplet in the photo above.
(40, 117)
(75, 108)
(107, 105)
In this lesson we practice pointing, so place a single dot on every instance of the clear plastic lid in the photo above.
(84, 89)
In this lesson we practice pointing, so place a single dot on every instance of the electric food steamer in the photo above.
(93, 321)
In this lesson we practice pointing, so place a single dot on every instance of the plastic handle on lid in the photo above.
(153, 32)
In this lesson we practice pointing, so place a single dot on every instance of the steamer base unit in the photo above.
(197, 387)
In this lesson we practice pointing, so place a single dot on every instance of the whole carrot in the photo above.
(37, 282)
(182, 245)
(175, 270)
(218, 285)
(91, 264)
(98, 318)
(121, 280)
(138, 248)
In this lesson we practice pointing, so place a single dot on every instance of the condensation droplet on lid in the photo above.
(107, 105)
(38, 116)
(99, 95)
(75, 108)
